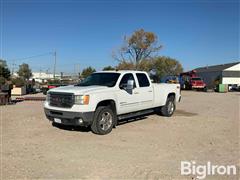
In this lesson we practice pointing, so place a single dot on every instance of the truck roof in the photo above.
(120, 71)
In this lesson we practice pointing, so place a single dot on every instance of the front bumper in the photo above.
(70, 118)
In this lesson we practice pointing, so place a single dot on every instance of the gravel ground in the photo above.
(204, 128)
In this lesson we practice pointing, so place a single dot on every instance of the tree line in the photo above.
(158, 66)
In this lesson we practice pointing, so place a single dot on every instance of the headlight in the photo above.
(81, 100)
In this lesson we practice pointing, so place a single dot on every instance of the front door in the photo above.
(128, 101)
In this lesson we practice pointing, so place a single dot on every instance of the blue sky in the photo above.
(197, 33)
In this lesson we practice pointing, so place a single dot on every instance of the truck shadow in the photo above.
(133, 119)
(122, 122)
(184, 113)
(143, 117)
(71, 128)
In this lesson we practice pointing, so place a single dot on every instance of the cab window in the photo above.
(142, 80)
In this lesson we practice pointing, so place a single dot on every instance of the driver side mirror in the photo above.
(130, 84)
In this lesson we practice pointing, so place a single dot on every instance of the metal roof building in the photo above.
(225, 73)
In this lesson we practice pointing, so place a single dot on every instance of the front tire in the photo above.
(169, 107)
(103, 121)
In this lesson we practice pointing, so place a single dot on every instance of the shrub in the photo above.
(2, 80)
(54, 81)
(18, 82)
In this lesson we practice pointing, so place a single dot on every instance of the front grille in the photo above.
(65, 100)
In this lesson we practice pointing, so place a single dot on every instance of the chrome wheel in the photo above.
(106, 121)
(170, 107)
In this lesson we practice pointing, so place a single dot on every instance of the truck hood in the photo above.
(78, 90)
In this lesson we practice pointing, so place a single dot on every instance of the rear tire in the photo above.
(103, 122)
(169, 107)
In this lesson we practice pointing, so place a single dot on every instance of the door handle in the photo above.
(150, 91)
(136, 92)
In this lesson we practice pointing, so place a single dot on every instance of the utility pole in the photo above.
(13, 64)
(76, 70)
(55, 61)
(47, 73)
(40, 73)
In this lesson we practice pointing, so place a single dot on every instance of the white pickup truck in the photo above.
(105, 97)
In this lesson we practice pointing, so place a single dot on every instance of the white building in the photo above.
(231, 75)
(226, 73)
(42, 76)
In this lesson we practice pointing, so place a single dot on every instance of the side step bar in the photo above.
(135, 114)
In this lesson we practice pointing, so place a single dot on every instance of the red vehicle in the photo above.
(190, 80)
(45, 89)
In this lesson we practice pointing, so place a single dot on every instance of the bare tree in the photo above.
(139, 46)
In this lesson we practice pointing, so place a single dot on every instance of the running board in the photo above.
(135, 114)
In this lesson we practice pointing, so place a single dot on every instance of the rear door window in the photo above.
(142, 80)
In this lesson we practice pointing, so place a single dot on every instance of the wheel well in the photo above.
(171, 94)
(109, 103)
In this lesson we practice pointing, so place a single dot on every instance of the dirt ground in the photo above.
(204, 128)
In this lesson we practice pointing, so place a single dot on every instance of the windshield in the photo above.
(196, 79)
(100, 79)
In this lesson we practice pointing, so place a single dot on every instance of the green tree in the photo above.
(163, 66)
(4, 72)
(54, 81)
(87, 71)
(3, 63)
(24, 71)
(108, 68)
(141, 45)
(18, 82)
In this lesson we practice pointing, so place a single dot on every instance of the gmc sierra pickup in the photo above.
(105, 97)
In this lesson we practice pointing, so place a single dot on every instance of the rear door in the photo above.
(145, 91)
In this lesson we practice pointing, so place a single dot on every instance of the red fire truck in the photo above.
(190, 80)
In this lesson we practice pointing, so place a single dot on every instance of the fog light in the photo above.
(80, 121)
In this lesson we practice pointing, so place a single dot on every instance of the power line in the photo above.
(30, 57)
(35, 56)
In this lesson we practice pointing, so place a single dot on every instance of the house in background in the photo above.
(226, 74)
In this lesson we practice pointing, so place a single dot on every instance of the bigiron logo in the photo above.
(208, 169)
